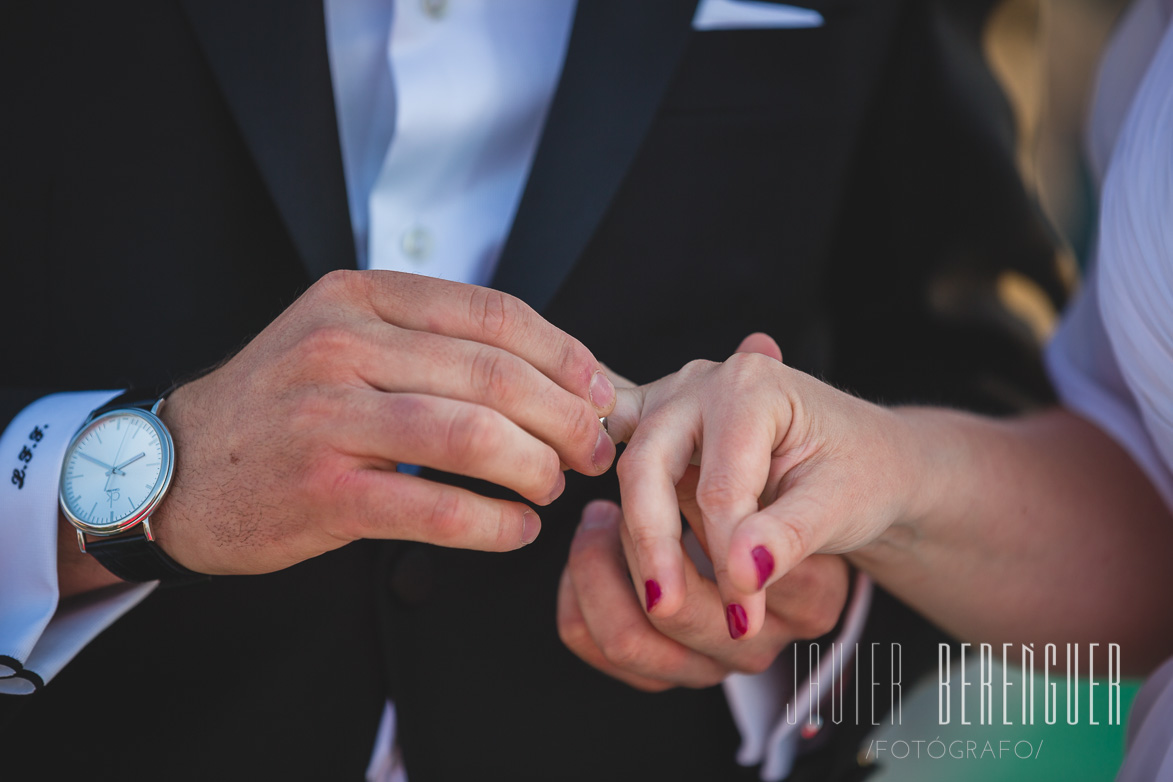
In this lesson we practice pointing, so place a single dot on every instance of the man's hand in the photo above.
(290, 449)
(601, 619)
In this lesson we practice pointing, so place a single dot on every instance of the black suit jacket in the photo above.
(848, 189)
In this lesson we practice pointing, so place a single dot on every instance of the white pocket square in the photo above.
(752, 14)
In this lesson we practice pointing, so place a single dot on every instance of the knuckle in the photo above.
(414, 408)
(623, 650)
(756, 662)
(497, 313)
(822, 622)
(815, 619)
(573, 633)
(447, 523)
(699, 366)
(635, 463)
(508, 533)
(797, 536)
(803, 578)
(330, 487)
(574, 360)
(746, 364)
(717, 492)
(319, 479)
(494, 374)
(548, 470)
(326, 344)
(470, 433)
(581, 430)
(673, 664)
(644, 539)
(309, 410)
(338, 284)
(743, 371)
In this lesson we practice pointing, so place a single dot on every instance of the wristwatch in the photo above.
(117, 469)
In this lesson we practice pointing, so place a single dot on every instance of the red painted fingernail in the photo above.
(763, 560)
(651, 593)
(738, 624)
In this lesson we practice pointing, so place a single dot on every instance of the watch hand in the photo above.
(113, 470)
(95, 461)
(120, 467)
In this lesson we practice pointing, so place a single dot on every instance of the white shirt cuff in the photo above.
(37, 638)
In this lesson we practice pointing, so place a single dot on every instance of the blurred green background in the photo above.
(1080, 752)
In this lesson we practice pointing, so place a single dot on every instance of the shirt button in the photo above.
(435, 8)
(417, 243)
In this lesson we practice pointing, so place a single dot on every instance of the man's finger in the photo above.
(576, 636)
(615, 619)
(449, 435)
(493, 318)
(397, 506)
(400, 360)
(810, 598)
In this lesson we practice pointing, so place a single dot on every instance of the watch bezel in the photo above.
(147, 507)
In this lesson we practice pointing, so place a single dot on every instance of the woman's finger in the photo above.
(648, 470)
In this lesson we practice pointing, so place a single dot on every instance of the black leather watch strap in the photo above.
(141, 398)
(134, 558)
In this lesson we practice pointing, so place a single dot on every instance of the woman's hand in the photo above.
(789, 467)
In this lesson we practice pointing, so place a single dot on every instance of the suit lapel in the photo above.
(618, 64)
(270, 59)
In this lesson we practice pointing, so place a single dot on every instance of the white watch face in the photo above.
(116, 470)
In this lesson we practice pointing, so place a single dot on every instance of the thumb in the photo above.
(629, 401)
(759, 342)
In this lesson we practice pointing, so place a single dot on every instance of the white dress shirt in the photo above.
(440, 108)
